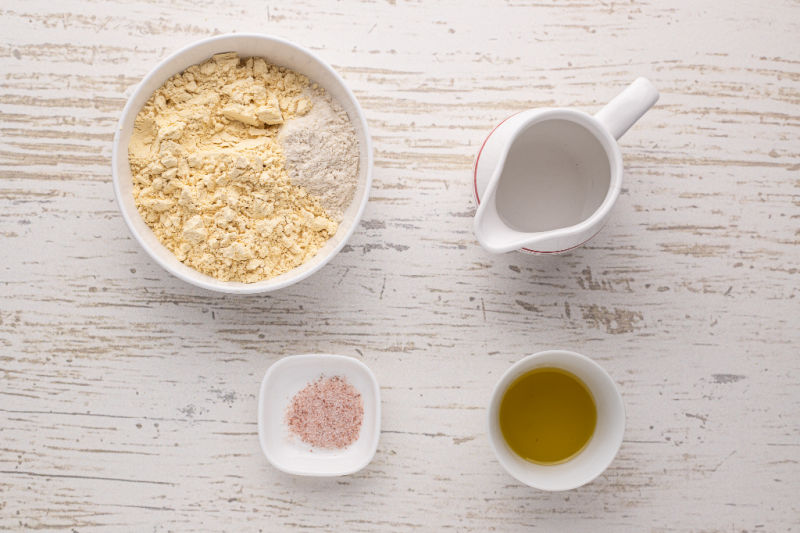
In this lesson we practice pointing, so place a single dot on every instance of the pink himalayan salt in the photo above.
(326, 413)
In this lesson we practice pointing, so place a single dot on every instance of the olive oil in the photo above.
(547, 416)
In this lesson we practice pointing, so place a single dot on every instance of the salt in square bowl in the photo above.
(288, 453)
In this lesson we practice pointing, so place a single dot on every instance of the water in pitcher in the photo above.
(556, 175)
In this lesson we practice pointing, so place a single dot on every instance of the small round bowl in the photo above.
(602, 447)
(278, 52)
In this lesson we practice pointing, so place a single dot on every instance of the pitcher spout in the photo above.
(495, 236)
(491, 230)
(493, 233)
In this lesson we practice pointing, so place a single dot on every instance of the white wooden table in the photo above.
(127, 398)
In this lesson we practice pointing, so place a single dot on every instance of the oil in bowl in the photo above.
(547, 416)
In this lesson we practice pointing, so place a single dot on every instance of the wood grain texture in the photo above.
(127, 398)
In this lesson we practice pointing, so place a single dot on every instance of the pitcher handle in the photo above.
(627, 107)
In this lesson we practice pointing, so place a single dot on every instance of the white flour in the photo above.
(321, 151)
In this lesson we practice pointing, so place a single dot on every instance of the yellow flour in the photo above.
(209, 175)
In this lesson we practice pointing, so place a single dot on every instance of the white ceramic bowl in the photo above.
(276, 51)
(604, 444)
(286, 453)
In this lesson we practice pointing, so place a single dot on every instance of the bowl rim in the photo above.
(496, 397)
(238, 287)
(309, 359)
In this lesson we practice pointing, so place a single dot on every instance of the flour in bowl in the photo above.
(322, 153)
(211, 178)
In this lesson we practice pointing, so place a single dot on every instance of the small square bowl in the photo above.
(287, 453)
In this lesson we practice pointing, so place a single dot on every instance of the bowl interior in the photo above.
(278, 52)
(604, 444)
(287, 453)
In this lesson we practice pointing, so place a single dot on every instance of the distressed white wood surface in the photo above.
(127, 398)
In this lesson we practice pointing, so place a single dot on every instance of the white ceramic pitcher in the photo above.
(546, 179)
